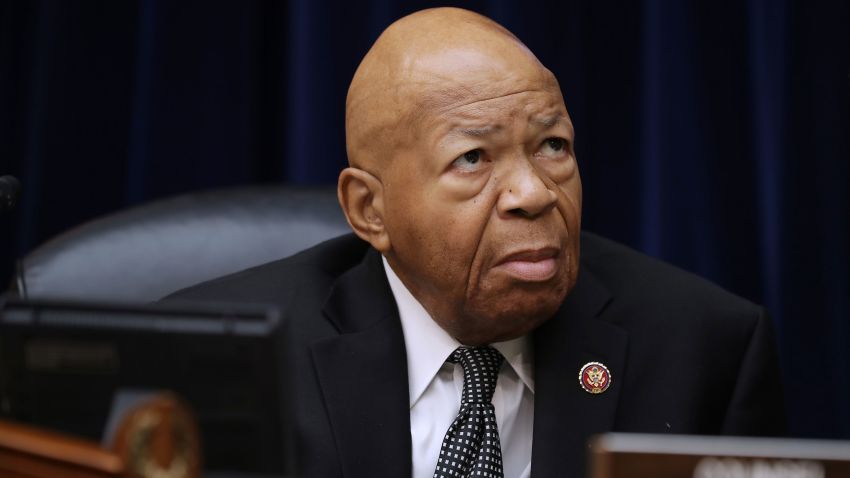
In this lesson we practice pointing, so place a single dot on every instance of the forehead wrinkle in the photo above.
(440, 98)
(445, 92)
(478, 121)
(449, 108)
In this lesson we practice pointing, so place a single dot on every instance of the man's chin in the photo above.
(478, 338)
(505, 323)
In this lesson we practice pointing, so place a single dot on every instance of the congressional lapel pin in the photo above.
(594, 377)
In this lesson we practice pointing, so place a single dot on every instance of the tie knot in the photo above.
(480, 372)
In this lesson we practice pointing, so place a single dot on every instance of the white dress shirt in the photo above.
(436, 386)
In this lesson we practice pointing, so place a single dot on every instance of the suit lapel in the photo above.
(363, 374)
(566, 415)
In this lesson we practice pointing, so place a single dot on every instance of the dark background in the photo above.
(715, 134)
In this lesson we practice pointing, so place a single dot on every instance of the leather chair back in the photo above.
(144, 253)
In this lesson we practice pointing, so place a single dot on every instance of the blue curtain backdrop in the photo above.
(714, 135)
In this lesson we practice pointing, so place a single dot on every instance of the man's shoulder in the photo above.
(310, 271)
(653, 285)
(697, 358)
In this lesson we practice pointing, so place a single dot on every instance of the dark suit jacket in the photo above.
(685, 357)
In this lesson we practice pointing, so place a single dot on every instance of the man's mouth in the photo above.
(531, 265)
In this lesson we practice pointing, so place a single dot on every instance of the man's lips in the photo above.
(532, 265)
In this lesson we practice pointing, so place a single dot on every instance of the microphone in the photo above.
(10, 190)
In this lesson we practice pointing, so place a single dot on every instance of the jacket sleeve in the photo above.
(757, 406)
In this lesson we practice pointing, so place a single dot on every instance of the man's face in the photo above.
(482, 206)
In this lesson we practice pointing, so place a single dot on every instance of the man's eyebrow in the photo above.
(546, 121)
(476, 132)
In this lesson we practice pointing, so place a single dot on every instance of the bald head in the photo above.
(429, 61)
(462, 173)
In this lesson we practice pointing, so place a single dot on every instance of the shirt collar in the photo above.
(428, 345)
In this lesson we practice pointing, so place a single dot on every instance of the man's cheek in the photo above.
(569, 202)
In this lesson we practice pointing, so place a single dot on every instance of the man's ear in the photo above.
(361, 196)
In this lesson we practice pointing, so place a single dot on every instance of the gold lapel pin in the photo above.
(594, 377)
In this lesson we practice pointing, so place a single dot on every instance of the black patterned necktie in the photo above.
(471, 446)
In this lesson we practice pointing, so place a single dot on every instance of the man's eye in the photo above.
(468, 161)
(472, 157)
(555, 144)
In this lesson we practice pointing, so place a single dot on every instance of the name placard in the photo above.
(625, 455)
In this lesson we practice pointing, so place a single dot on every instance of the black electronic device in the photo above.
(62, 364)
(10, 190)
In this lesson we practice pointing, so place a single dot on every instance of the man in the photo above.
(469, 326)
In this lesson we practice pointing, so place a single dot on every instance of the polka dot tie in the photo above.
(471, 447)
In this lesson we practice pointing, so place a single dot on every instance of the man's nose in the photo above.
(524, 193)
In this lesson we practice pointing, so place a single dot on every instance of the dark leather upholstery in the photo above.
(144, 253)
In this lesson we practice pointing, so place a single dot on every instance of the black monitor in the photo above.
(64, 364)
